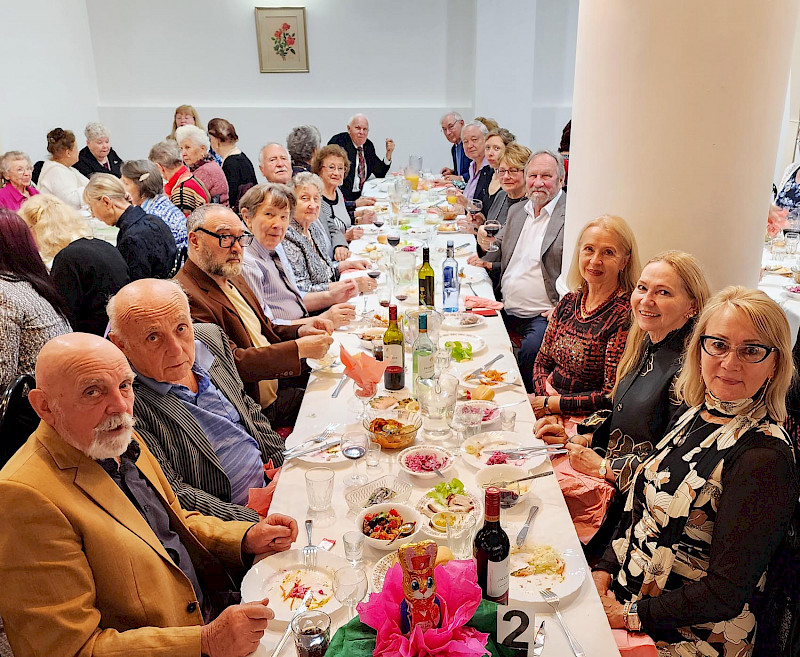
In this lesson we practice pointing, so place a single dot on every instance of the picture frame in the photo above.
(282, 41)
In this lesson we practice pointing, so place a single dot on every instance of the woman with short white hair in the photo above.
(98, 156)
(16, 169)
(195, 145)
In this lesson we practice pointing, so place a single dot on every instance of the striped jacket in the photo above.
(182, 449)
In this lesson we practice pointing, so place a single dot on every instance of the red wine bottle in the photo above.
(491, 550)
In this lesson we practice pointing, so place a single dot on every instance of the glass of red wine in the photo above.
(354, 446)
(378, 221)
(492, 227)
(393, 238)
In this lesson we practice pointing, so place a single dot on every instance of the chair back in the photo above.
(17, 419)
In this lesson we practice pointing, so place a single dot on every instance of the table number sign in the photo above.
(516, 627)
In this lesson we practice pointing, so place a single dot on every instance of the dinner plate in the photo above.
(275, 576)
(449, 228)
(452, 322)
(526, 589)
(475, 446)
(433, 531)
(477, 342)
(327, 456)
(792, 295)
(380, 570)
(329, 365)
(509, 376)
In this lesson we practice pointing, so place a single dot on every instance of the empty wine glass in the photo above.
(350, 587)
(354, 446)
(465, 421)
(492, 227)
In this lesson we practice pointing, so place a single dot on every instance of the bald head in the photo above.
(83, 390)
(151, 323)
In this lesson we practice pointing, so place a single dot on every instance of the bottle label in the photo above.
(425, 368)
(448, 274)
(497, 578)
(393, 355)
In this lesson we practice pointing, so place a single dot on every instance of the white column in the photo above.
(676, 119)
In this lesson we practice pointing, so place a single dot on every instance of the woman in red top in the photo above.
(586, 333)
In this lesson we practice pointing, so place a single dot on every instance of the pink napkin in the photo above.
(587, 497)
(365, 370)
(457, 588)
(634, 645)
(481, 302)
(259, 499)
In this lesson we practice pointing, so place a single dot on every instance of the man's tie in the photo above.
(279, 266)
(362, 168)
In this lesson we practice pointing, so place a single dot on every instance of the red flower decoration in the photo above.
(285, 26)
(277, 34)
(290, 41)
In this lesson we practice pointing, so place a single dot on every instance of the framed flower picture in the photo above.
(282, 44)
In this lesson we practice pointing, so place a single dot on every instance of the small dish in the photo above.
(358, 498)
(407, 514)
(420, 460)
(511, 496)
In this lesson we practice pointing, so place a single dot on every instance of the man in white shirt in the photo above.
(528, 261)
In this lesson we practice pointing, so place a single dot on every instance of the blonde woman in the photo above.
(707, 509)
(144, 240)
(586, 331)
(87, 271)
(187, 115)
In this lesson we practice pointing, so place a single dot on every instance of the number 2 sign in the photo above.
(515, 626)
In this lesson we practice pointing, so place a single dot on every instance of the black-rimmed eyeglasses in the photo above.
(227, 241)
(747, 353)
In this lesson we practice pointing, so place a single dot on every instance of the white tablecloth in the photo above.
(582, 611)
(775, 286)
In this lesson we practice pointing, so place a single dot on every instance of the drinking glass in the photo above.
(437, 398)
(350, 587)
(354, 446)
(492, 227)
(460, 534)
(465, 421)
(353, 547)
(474, 207)
(442, 360)
(312, 633)
(508, 419)
(373, 454)
(319, 487)
(791, 242)
(364, 395)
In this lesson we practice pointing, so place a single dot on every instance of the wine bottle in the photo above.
(394, 377)
(426, 278)
(422, 353)
(491, 550)
(450, 283)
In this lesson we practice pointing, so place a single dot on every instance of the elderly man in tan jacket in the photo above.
(96, 555)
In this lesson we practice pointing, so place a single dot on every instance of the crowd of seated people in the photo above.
(669, 400)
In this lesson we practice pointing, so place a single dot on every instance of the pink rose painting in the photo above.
(283, 41)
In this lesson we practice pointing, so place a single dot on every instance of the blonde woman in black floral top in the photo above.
(707, 509)
(586, 334)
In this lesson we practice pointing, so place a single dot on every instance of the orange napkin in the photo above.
(481, 302)
(587, 497)
(365, 371)
(634, 645)
(259, 499)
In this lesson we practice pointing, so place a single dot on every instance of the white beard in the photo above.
(110, 447)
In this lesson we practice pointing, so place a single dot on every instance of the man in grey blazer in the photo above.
(528, 260)
(210, 438)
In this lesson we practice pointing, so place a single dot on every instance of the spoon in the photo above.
(404, 530)
(439, 472)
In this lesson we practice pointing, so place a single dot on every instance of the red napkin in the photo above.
(477, 304)
(259, 499)
(365, 371)
(634, 645)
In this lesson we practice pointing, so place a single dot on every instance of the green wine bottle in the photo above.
(426, 280)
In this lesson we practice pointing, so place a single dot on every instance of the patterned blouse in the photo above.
(313, 268)
(582, 353)
(789, 196)
(166, 210)
(27, 322)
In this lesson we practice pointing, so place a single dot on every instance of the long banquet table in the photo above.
(582, 611)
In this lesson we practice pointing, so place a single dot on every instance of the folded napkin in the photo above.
(365, 370)
(259, 499)
(587, 497)
(471, 302)
(634, 645)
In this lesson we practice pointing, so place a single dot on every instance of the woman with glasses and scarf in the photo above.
(707, 509)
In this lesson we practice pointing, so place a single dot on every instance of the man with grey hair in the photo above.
(452, 124)
(302, 143)
(528, 260)
(364, 162)
(275, 163)
(473, 138)
(218, 294)
(209, 436)
(98, 156)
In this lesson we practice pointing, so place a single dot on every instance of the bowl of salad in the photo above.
(380, 523)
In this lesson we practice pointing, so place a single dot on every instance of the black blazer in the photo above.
(482, 188)
(375, 165)
(146, 243)
(460, 161)
(87, 164)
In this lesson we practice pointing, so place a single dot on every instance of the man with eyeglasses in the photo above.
(218, 294)
(364, 161)
(452, 123)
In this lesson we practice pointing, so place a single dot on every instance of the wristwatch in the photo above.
(631, 616)
(546, 404)
(603, 468)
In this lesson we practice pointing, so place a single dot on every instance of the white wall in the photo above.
(48, 72)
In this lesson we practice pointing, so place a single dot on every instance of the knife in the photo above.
(339, 386)
(481, 369)
(524, 531)
(538, 641)
(312, 450)
(319, 438)
(288, 631)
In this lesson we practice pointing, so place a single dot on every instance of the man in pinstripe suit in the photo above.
(211, 439)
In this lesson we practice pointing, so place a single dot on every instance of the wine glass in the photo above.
(492, 227)
(465, 421)
(354, 446)
(350, 587)
(378, 221)
(474, 207)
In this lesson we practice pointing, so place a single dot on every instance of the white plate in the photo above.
(434, 532)
(452, 322)
(326, 366)
(477, 342)
(792, 295)
(418, 231)
(510, 376)
(501, 440)
(425, 449)
(448, 228)
(526, 589)
(328, 456)
(380, 570)
(265, 578)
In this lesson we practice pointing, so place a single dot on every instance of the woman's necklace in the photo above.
(586, 313)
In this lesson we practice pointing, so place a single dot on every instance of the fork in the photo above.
(310, 550)
(552, 599)
(321, 438)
